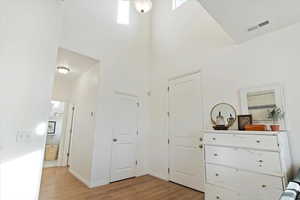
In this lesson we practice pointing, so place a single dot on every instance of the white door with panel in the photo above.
(124, 141)
(186, 156)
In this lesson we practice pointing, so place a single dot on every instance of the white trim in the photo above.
(157, 175)
(125, 94)
(136, 98)
(197, 73)
(80, 178)
(99, 182)
(279, 98)
(175, 4)
(50, 164)
(185, 75)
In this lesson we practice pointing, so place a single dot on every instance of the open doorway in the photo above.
(69, 103)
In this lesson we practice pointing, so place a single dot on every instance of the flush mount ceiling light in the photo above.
(63, 70)
(143, 6)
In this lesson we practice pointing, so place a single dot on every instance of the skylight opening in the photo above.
(178, 3)
(123, 12)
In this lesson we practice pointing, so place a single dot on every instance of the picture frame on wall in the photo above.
(244, 120)
(51, 127)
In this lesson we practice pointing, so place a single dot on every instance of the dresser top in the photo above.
(244, 132)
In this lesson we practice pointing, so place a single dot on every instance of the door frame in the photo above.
(116, 94)
(194, 73)
(66, 142)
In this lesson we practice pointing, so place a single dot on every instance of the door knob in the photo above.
(115, 140)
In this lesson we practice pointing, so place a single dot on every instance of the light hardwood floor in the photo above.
(59, 184)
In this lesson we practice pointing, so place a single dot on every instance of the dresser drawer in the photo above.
(244, 182)
(216, 193)
(263, 142)
(213, 192)
(259, 161)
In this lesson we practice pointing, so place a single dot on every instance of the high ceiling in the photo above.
(246, 19)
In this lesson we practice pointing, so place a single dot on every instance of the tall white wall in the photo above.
(62, 89)
(28, 44)
(91, 29)
(188, 39)
(84, 98)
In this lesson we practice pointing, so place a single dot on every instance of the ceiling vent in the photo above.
(260, 25)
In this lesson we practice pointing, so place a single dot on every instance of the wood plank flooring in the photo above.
(59, 184)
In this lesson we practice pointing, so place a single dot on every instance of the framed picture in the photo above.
(244, 120)
(51, 127)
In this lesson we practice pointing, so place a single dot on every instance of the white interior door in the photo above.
(186, 163)
(124, 138)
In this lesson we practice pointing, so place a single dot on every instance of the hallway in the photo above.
(59, 184)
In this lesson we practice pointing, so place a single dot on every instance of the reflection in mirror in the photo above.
(260, 103)
(223, 114)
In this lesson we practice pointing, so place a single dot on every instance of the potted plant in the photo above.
(275, 114)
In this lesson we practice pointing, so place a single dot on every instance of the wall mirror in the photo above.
(223, 116)
(259, 101)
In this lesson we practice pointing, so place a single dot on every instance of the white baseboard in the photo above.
(49, 164)
(157, 175)
(80, 178)
(99, 182)
(141, 172)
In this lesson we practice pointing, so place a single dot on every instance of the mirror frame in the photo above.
(235, 113)
(279, 98)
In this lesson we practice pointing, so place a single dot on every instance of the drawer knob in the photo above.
(260, 161)
(201, 146)
(214, 139)
(201, 139)
(263, 186)
(215, 154)
(217, 197)
(217, 174)
(258, 141)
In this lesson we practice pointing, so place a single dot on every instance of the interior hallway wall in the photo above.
(29, 41)
(84, 98)
(188, 39)
(62, 89)
(91, 29)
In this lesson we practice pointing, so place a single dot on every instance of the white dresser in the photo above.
(244, 165)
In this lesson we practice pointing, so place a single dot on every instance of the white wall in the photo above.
(62, 89)
(29, 33)
(84, 99)
(91, 29)
(188, 39)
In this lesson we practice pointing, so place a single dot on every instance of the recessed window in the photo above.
(178, 3)
(123, 12)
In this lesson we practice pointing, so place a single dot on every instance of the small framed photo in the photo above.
(51, 127)
(244, 120)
